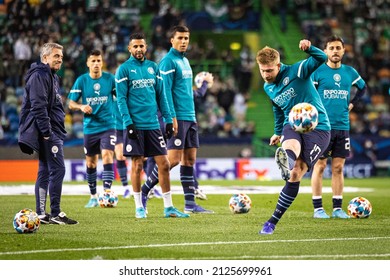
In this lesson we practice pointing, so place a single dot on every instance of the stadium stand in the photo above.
(225, 113)
(107, 25)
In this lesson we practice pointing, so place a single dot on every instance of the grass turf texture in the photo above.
(117, 234)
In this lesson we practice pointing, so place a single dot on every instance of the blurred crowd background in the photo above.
(84, 25)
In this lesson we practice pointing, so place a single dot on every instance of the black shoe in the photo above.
(45, 218)
(62, 219)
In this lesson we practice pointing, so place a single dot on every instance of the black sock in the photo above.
(317, 203)
(337, 202)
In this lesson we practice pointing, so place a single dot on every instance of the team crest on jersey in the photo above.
(177, 142)
(54, 149)
(286, 81)
(129, 148)
(337, 77)
(96, 88)
(151, 70)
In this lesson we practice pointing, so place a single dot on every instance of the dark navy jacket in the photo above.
(42, 111)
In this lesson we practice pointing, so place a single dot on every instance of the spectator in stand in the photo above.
(244, 69)
(22, 54)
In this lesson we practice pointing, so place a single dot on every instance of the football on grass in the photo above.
(26, 221)
(359, 207)
(108, 199)
(240, 203)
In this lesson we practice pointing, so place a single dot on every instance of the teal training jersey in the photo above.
(119, 125)
(292, 86)
(140, 93)
(334, 88)
(97, 93)
(177, 75)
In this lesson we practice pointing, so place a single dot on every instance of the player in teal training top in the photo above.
(177, 75)
(333, 81)
(140, 92)
(286, 86)
(121, 165)
(96, 89)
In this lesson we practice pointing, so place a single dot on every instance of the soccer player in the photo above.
(42, 129)
(151, 164)
(121, 165)
(177, 75)
(140, 92)
(96, 89)
(333, 81)
(286, 86)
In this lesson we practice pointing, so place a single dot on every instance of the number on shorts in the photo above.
(113, 140)
(162, 142)
(348, 144)
(315, 152)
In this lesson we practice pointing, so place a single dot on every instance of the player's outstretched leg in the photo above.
(286, 198)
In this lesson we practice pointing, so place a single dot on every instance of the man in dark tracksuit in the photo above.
(42, 129)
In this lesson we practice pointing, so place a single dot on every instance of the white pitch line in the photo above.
(189, 244)
(69, 189)
(296, 257)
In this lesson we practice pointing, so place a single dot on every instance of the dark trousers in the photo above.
(51, 174)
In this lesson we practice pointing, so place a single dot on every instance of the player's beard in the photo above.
(335, 59)
(140, 55)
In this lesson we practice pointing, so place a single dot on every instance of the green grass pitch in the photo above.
(115, 234)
